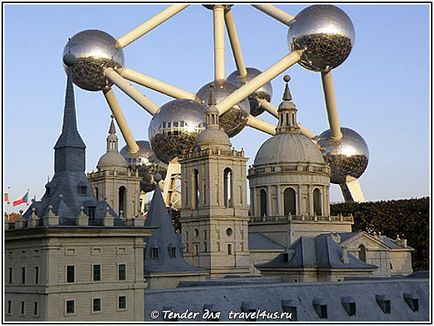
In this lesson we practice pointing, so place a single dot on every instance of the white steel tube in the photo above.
(261, 125)
(128, 89)
(275, 12)
(149, 25)
(307, 132)
(332, 112)
(235, 43)
(219, 43)
(259, 81)
(270, 108)
(120, 119)
(155, 84)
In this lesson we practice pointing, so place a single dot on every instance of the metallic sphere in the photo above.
(325, 32)
(348, 156)
(146, 162)
(94, 51)
(173, 129)
(233, 120)
(263, 93)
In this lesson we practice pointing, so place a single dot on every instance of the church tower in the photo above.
(114, 182)
(214, 212)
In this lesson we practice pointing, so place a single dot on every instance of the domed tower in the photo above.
(289, 183)
(114, 181)
(214, 218)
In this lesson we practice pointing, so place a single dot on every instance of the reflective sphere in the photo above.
(263, 93)
(173, 129)
(94, 51)
(146, 162)
(327, 34)
(234, 120)
(348, 156)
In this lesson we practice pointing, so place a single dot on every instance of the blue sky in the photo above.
(382, 89)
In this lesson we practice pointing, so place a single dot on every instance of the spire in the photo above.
(112, 139)
(212, 113)
(70, 136)
(287, 112)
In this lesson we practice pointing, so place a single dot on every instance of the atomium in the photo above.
(94, 52)
(235, 119)
(326, 34)
(263, 93)
(347, 157)
(173, 129)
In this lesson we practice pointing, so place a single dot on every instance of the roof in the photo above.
(164, 239)
(386, 241)
(258, 241)
(320, 252)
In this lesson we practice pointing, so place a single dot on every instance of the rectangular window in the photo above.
(229, 249)
(96, 273)
(35, 308)
(23, 307)
(122, 272)
(70, 306)
(9, 308)
(122, 302)
(23, 275)
(96, 304)
(36, 275)
(10, 275)
(70, 274)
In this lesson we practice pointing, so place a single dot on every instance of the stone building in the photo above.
(115, 182)
(214, 213)
(70, 256)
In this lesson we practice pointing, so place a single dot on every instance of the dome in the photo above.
(288, 148)
(112, 160)
(213, 137)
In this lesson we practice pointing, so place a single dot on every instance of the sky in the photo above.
(382, 89)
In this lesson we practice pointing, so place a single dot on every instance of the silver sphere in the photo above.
(146, 162)
(263, 93)
(233, 120)
(348, 156)
(174, 128)
(327, 35)
(94, 51)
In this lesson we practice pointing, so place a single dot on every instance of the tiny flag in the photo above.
(21, 200)
(6, 198)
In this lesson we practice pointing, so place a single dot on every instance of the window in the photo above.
(172, 252)
(23, 275)
(70, 306)
(289, 202)
(196, 233)
(229, 249)
(91, 212)
(122, 302)
(96, 273)
(10, 275)
(36, 275)
(196, 250)
(122, 200)
(227, 184)
(204, 235)
(154, 253)
(70, 274)
(9, 308)
(229, 232)
(263, 202)
(23, 308)
(82, 190)
(205, 246)
(96, 304)
(317, 205)
(96, 193)
(122, 271)
(362, 253)
(35, 308)
(196, 191)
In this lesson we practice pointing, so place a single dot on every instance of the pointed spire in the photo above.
(212, 100)
(112, 129)
(212, 113)
(287, 112)
(112, 139)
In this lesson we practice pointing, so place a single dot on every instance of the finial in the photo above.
(112, 129)
(60, 196)
(287, 94)
(212, 100)
(69, 59)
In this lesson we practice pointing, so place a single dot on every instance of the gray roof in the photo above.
(64, 190)
(258, 241)
(163, 238)
(315, 252)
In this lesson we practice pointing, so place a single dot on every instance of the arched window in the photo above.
(289, 202)
(96, 193)
(263, 202)
(227, 184)
(362, 253)
(196, 190)
(122, 200)
(317, 205)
